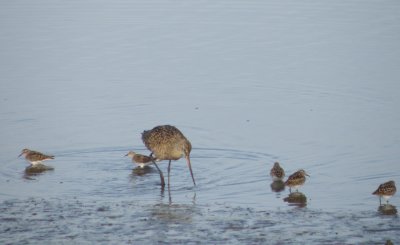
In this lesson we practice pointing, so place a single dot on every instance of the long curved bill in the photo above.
(190, 168)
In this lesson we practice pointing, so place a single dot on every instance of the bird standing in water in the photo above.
(167, 143)
(35, 157)
(277, 173)
(139, 159)
(385, 190)
(296, 180)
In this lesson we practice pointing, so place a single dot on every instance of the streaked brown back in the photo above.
(37, 156)
(164, 141)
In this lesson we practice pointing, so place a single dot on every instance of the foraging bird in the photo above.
(139, 159)
(168, 143)
(385, 190)
(35, 157)
(296, 180)
(277, 172)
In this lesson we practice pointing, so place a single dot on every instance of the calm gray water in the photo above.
(311, 84)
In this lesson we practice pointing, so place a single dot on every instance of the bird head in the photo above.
(187, 148)
(302, 172)
(131, 154)
(24, 151)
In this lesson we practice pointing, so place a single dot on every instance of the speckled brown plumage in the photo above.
(386, 190)
(35, 157)
(296, 180)
(277, 172)
(168, 143)
(139, 159)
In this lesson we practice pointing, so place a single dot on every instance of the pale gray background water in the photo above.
(314, 85)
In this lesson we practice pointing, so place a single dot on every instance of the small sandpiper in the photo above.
(35, 157)
(139, 159)
(385, 190)
(296, 180)
(277, 173)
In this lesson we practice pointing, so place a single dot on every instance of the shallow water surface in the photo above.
(312, 85)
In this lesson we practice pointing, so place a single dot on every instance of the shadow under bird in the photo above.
(296, 180)
(139, 159)
(277, 172)
(166, 142)
(385, 190)
(35, 157)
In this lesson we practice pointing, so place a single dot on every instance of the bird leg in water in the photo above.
(169, 169)
(161, 174)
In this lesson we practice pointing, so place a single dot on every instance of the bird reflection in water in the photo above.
(36, 169)
(174, 211)
(296, 199)
(387, 209)
(278, 186)
(139, 171)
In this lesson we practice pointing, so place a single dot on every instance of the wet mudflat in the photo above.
(68, 221)
(312, 85)
(108, 201)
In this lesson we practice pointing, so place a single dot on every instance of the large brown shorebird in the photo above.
(139, 159)
(385, 190)
(167, 143)
(296, 180)
(277, 172)
(35, 157)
